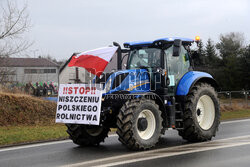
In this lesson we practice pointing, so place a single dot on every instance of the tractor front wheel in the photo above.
(139, 124)
(87, 135)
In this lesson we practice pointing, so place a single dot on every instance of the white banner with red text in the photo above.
(79, 104)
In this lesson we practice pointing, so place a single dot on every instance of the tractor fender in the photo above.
(152, 96)
(191, 78)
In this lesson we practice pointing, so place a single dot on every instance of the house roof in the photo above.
(26, 62)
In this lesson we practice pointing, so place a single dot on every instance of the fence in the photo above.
(241, 98)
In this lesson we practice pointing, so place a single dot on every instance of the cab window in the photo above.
(176, 66)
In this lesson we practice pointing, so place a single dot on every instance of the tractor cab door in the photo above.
(176, 67)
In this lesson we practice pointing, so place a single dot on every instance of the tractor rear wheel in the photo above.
(87, 135)
(201, 114)
(139, 124)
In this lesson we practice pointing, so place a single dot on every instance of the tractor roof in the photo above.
(150, 43)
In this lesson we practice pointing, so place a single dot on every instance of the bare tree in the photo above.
(14, 23)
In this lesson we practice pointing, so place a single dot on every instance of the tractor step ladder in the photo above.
(178, 117)
(175, 115)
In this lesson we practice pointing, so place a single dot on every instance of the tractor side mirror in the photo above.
(194, 55)
(177, 47)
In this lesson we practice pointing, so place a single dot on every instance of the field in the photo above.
(26, 119)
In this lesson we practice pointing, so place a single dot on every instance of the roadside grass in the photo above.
(236, 114)
(236, 109)
(25, 134)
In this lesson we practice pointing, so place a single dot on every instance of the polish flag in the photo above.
(94, 61)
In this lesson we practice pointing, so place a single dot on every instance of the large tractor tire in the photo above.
(201, 114)
(87, 135)
(139, 124)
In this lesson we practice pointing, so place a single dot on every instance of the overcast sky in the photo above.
(61, 27)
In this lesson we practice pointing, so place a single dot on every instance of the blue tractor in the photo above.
(158, 90)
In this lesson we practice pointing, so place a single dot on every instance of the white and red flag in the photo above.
(95, 60)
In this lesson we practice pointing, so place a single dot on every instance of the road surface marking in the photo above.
(68, 141)
(236, 121)
(166, 152)
(40, 144)
(34, 145)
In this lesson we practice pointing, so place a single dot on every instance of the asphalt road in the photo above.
(231, 147)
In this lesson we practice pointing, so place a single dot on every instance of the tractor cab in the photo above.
(167, 56)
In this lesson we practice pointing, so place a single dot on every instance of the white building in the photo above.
(25, 70)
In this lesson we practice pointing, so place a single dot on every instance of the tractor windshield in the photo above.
(144, 58)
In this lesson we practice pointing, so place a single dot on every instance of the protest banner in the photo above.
(79, 104)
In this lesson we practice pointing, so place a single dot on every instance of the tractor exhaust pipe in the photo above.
(119, 55)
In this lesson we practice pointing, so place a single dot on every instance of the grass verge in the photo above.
(236, 114)
(25, 134)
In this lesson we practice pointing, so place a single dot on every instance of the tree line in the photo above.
(228, 61)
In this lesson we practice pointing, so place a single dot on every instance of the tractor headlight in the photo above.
(107, 86)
